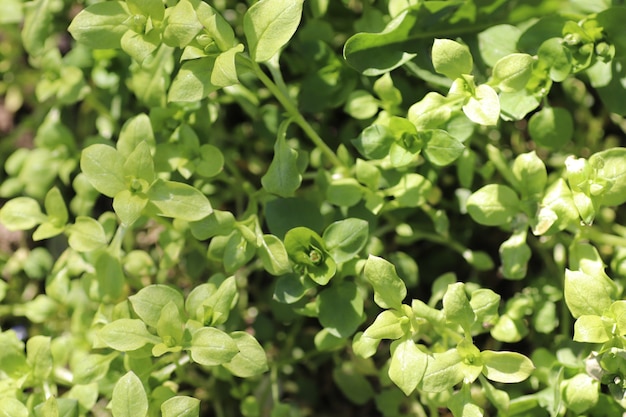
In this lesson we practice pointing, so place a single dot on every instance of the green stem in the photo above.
(599, 237)
(293, 111)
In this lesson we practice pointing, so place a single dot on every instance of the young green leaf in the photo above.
(592, 329)
(344, 239)
(104, 168)
(611, 171)
(451, 58)
(39, 357)
(551, 127)
(126, 335)
(389, 289)
(150, 301)
(443, 371)
(283, 177)
(177, 200)
(585, 294)
(506, 367)
(274, 255)
(580, 393)
(129, 206)
(181, 24)
(21, 213)
(268, 26)
(512, 72)
(457, 307)
(308, 251)
(515, 254)
(250, 360)
(129, 397)
(353, 385)
(441, 148)
(86, 234)
(341, 309)
(408, 364)
(181, 406)
(483, 107)
(101, 25)
(211, 347)
(12, 407)
(493, 205)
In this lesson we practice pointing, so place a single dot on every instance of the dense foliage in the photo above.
(321, 208)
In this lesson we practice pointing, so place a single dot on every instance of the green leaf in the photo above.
(611, 171)
(181, 24)
(268, 26)
(496, 42)
(307, 250)
(451, 58)
(109, 276)
(193, 81)
(55, 207)
(554, 55)
(11, 407)
(361, 105)
(39, 357)
(129, 397)
(580, 393)
(408, 365)
(291, 287)
(104, 168)
(515, 254)
(345, 192)
(251, 359)
(86, 234)
(441, 148)
(389, 289)
(101, 25)
(140, 166)
(150, 300)
(551, 127)
(181, 406)
(178, 200)
(506, 367)
(591, 329)
(585, 294)
(237, 252)
(274, 256)
(443, 371)
(211, 347)
(126, 334)
(483, 107)
(531, 174)
(140, 45)
(91, 368)
(129, 206)
(512, 72)
(344, 239)
(374, 142)
(283, 176)
(325, 341)
(431, 112)
(364, 346)
(170, 325)
(341, 309)
(457, 307)
(389, 324)
(225, 71)
(21, 213)
(217, 223)
(493, 205)
(219, 304)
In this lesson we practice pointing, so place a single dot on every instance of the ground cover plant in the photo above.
(312, 208)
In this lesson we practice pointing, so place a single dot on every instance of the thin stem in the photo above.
(597, 236)
(293, 111)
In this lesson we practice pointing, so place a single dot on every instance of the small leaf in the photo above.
(515, 254)
(353, 385)
(580, 393)
(346, 238)
(493, 205)
(225, 71)
(181, 406)
(283, 177)
(129, 397)
(11, 407)
(150, 300)
(250, 360)
(585, 294)
(374, 142)
(178, 200)
(443, 371)
(21, 213)
(181, 24)
(268, 26)
(506, 367)
(457, 307)
(340, 309)
(389, 324)
(126, 334)
(483, 107)
(591, 329)
(104, 168)
(389, 289)
(55, 207)
(129, 206)
(551, 127)
(101, 25)
(408, 365)
(86, 235)
(211, 347)
(451, 58)
(274, 256)
(441, 148)
(512, 72)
